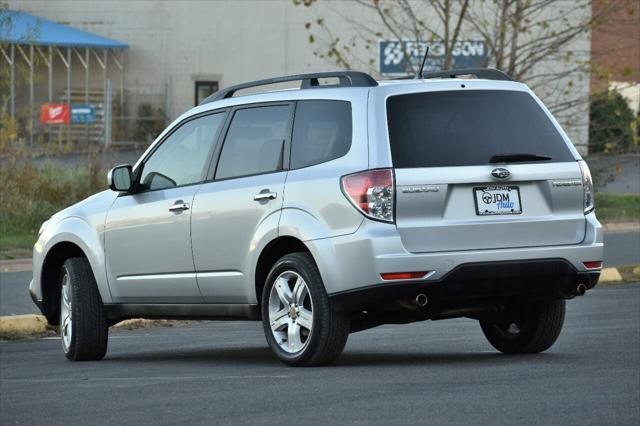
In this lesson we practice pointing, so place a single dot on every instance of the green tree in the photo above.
(612, 126)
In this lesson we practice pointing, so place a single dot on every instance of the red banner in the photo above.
(55, 114)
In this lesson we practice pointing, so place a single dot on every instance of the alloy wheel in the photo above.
(291, 312)
(66, 313)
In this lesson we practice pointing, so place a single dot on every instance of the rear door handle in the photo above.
(179, 206)
(265, 195)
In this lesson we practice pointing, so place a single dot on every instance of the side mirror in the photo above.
(119, 178)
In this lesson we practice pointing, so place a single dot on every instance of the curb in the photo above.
(609, 275)
(620, 227)
(13, 326)
(23, 324)
(16, 265)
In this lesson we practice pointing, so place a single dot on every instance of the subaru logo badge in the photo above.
(500, 173)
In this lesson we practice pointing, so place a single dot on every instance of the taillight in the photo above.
(587, 187)
(371, 192)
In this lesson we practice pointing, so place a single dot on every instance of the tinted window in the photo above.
(321, 132)
(463, 128)
(181, 158)
(254, 142)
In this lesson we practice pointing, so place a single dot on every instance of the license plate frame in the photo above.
(493, 189)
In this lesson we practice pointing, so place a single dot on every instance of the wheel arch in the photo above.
(71, 237)
(270, 254)
(50, 277)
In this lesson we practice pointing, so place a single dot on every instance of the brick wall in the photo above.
(615, 43)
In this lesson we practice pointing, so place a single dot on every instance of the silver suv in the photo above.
(335, 208)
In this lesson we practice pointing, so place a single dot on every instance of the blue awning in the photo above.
(23, 28)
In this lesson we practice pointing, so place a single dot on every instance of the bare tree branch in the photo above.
(532, 40)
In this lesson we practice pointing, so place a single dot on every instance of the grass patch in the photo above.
(617, 207)
(15, 253)
(17, 241)
(30, 194)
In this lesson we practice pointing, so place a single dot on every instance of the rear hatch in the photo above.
(481, 169)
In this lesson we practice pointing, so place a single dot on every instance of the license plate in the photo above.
(492, 200)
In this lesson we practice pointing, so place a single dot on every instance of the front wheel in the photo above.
(532, 327)
(83, 323)
(300, 326)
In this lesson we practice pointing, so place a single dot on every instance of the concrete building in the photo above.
(180, 51)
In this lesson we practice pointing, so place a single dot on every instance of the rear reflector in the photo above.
(404, 275)
(595, 264)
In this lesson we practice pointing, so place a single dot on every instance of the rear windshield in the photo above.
(466, 128)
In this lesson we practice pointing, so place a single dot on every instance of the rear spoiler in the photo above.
(485, 73)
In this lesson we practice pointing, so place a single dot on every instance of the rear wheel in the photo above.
(300, 326)
(532, 327)
(83, 323)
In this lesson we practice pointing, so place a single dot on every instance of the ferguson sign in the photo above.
(393, 60)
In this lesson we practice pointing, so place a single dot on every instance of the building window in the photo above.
(204, 89)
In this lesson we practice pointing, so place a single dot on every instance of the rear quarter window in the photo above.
(321, 132)
(466, 128)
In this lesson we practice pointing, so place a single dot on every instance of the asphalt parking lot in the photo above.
(423, 373)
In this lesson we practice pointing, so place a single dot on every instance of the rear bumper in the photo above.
(530, 280)
(353, 263)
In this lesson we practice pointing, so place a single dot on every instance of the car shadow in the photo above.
(256, 355)
(262, 356)
(368, 359)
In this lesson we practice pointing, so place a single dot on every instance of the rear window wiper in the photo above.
(517, 158)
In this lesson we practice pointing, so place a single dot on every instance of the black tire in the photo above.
(89, 322)
(538, 327)
(330, 329)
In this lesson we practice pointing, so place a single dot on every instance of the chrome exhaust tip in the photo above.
(581, 289)
(421, 300)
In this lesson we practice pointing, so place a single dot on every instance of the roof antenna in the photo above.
(420, 73)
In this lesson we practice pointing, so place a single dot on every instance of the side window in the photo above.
(255, 142)
(181, 158)
(321, 132)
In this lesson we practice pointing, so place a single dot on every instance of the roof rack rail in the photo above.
(309, 81)
(486, 73)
